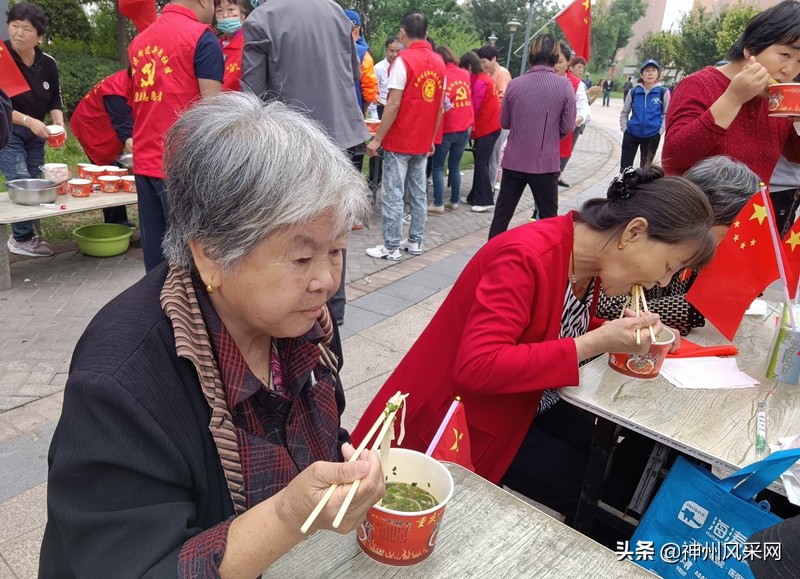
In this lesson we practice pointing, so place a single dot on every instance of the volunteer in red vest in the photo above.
(485, 132)
(410, 123)
(567, 143)
(103, 125)
(230, 15)
(174, 61)
(455, 127)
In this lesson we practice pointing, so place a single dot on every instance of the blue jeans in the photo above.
(400, 170)
(454, 145)
(22, 159)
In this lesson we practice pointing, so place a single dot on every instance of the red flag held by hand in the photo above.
(744, 265)
(451, 442)
(11, 80)
(141, 12)
(576, 22)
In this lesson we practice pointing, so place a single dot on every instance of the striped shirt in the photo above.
(538, 109)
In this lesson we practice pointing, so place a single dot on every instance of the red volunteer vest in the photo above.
(487, 118)
(460, 117)
(412, 132)
(164, 82)
(233, 62)
(565, 144)
(91, 124)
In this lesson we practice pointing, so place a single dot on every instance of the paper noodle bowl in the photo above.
(784, 99)
(58, 136)
(372, 126)
(644, 365)
(401, 539)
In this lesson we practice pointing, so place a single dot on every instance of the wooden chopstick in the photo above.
(647, 310)
(636, 311)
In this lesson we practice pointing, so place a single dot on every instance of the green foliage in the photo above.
(698, 44)
(78, 70)
(65, 19)
(733, 24)
(612, 27)
(660, 45)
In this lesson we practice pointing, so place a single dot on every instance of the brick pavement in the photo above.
(389, 303)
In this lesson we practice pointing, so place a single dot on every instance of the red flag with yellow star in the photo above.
(11, 80)
(141, 12)
(791, 244)
(576, 22)
(451, 442)
(743, 266)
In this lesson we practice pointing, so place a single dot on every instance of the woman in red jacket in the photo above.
(519, 318)
(485, 132)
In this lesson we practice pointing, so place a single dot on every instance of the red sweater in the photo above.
(754, 138)
(494, 342)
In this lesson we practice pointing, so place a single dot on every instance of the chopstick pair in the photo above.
(385, 436)
(638, 295)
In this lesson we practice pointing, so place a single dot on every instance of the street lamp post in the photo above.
(492, 39)
(524, 58)
(513, 26)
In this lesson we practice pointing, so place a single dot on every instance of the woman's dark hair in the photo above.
(777, 25)
(577, 60)
(544, 50)
(390, 40)
(565, 50)
(676, 210)
(488, 52)
(447, 54)
(415, 24)
(471, 62)
(30, 12)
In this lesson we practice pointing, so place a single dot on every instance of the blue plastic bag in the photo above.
(698, 525)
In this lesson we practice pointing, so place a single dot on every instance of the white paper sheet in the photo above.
(706, 372)
(791, 478)
(757, 308)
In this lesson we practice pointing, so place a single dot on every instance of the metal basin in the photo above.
(126, 160)
(32, 191)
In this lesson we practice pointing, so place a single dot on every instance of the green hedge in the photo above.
(78, 72)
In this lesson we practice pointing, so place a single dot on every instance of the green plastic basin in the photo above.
(103, 239)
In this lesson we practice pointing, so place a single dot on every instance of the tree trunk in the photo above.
(122, 40)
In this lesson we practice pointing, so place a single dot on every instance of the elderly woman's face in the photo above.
(23, 35)
(281, 287)
(782, 61)
(638, 259)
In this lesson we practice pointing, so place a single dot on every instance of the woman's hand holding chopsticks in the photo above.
(619, 335)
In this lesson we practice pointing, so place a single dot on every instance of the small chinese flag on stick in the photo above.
(451, 442)
(11, 80)
(141, 12)
(791, 244)
(576, 22)
(745, 263)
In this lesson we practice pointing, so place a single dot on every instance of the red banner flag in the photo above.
(576, 22)
(451, 442)
(744, 265)
(11, 80)
(141, 12)
(790, 245)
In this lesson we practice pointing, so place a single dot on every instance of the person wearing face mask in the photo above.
(230, 15)
(724, 110)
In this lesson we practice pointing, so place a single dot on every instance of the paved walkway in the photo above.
(389, 303)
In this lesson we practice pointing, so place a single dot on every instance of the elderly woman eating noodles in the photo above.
(201, 420)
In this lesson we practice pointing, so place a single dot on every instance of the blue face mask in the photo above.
(229, 26)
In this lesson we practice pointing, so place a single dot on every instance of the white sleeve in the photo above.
(582, 104)
(397, 75)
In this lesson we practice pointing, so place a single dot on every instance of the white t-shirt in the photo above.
(397, 75)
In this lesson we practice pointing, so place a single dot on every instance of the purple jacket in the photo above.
(538, 109)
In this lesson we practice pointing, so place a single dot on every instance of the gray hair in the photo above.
(237, 170)
(728, 184)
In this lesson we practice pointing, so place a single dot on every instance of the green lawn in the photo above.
(58, 229)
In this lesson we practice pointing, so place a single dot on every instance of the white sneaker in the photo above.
(412, 247)
(381, 252)
(482, 208)
(34, 247)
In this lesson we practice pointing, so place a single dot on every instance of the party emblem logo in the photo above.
(429, 90)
